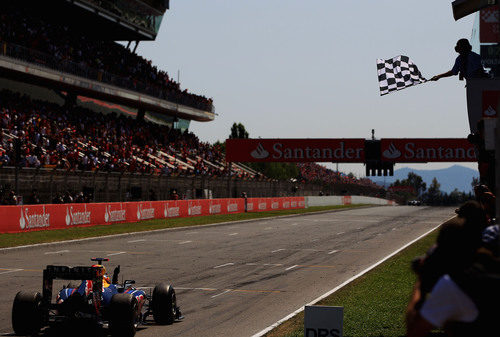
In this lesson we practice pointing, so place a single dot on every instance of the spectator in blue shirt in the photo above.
(467, 65)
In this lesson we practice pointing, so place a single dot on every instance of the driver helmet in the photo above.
(105, 278)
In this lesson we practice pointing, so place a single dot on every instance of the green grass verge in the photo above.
(375, 303)
(27, 238)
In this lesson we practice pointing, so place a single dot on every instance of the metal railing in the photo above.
(114, 186)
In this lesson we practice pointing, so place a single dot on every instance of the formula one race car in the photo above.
(97, 301)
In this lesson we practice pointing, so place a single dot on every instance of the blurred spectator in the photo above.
(67, 198)
(33, 199)
(152, 195)
(458, 287)
(463, 304)
(173, 195)
(10, 199)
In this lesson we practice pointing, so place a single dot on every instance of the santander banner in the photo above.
(489, 25)
(491, 98)
(427, 150)
(295, 150)
(43, 217)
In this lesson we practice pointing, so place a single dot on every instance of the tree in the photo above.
(434, 192)
(415, 182)
(238, 132)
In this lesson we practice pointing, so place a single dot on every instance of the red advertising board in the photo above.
(408, 150)
(489, 25)
(43, 217)
(490, 100)
(274, 204)
(346, 200)
(295, 150)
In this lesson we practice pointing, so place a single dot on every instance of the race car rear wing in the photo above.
(52, 273)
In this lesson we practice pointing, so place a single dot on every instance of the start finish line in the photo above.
(346, 150)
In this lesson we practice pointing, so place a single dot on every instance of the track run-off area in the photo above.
(239, 278)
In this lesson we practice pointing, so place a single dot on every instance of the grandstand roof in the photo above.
(118, 20)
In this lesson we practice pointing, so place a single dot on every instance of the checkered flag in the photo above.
(397, 73)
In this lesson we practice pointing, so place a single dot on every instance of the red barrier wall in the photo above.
(42, 217)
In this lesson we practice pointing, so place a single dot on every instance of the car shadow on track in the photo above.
(74, 331)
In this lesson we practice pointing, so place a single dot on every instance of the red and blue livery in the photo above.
(105, 303)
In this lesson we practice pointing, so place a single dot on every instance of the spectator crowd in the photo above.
(311, 172)
(458, 286)
(71, 51)
(41, 134)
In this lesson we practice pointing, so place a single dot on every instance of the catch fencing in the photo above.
(122, 187)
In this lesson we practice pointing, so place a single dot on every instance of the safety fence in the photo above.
(121, 187)
(59, 216)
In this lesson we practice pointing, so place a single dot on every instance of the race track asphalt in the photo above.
(234, 279)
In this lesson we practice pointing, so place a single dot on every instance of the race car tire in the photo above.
(123, 315)
(164, 304)
(27, 315)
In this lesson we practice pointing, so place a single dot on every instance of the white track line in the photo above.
(233, 234)
(290, 268)
(222, 293)
(118, 253)
(140, 240)
(271, 327)
(340, 233)
(264, 264)
(58, 252)
(332, 252)
(277, 250)
(185, 288)
(224, 265)
(11, 271)
(184, 242)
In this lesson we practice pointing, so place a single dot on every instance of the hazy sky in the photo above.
(307, 69)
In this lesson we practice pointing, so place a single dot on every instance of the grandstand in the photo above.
(74, 100)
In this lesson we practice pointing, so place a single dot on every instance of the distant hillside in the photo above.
(455, 176)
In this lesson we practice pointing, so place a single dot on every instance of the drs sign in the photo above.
(323, 321)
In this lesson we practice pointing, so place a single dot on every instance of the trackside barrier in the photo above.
(27, 218)
(346, 200)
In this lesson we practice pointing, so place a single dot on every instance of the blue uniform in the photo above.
(474, 66)
(107, 292)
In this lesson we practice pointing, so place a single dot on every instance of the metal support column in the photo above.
(497, 165)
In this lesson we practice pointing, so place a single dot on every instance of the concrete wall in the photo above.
(341, 200)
